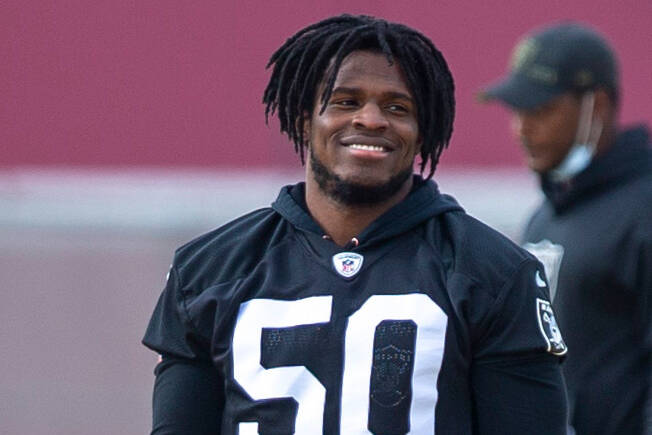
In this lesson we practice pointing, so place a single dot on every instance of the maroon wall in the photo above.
(168, 83)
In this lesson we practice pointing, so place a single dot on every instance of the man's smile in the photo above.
(365, 147)
(367, 144)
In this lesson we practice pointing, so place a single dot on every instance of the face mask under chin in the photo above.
(578, 158)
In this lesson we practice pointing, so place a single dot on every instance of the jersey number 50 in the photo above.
(299, 383)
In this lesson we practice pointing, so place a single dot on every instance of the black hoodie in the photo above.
(429, 323)
(597, 233)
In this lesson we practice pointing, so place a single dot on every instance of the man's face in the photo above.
(547, 132)
(368, 135)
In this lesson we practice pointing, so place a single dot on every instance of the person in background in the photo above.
(593, 231)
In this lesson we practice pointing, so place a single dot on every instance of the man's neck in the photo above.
(343, 222)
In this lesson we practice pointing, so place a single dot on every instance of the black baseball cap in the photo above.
(567, 57)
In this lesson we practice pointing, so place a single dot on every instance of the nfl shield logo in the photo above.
(347, 264)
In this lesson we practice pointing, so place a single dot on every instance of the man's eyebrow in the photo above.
(345, 90)
(390, 94)
(400, 95)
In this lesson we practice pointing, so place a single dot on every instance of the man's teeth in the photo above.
(359, 146)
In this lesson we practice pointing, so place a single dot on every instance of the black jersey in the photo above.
(429, 322)
(595, 237)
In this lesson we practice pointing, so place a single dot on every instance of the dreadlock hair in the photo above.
(314, 55)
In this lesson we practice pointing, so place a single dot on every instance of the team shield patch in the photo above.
(347, 264)
(550, 255)
(549, 328)
(390, 375)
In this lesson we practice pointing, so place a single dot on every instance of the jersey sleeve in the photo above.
(516, 378)
(189, 390)
(188, 398)
(170, 330)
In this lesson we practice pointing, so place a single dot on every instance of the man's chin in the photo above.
(363, 182)
(539, 168)
(357, 189)
(534, 164)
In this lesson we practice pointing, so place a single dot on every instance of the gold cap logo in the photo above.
(583, 78)
(523, 53)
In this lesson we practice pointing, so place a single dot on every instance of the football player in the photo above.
(363, 300)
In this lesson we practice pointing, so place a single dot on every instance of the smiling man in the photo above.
(363, 300)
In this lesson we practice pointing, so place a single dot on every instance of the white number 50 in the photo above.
(299, 383)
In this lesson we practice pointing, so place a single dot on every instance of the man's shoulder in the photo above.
(475, 237)
(232, 230)
(481, 252)
(640, 186)
(631, 182)
(493, 277)
(244, 238)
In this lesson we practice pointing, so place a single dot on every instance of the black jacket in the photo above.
(434, 323)
(598, 230)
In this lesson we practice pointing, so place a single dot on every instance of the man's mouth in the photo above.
(365, 147)
(527, 146)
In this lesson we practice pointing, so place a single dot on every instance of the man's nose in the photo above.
(371, 117)
(520, 125)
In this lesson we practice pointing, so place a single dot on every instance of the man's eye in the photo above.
(543, 110)
(397, 108)
(348, 102)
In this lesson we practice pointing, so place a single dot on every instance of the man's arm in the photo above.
(188, 398)
(516, 380)
(524, 395)
(188, 390)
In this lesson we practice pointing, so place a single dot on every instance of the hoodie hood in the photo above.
(630, 156)
(422, 203)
